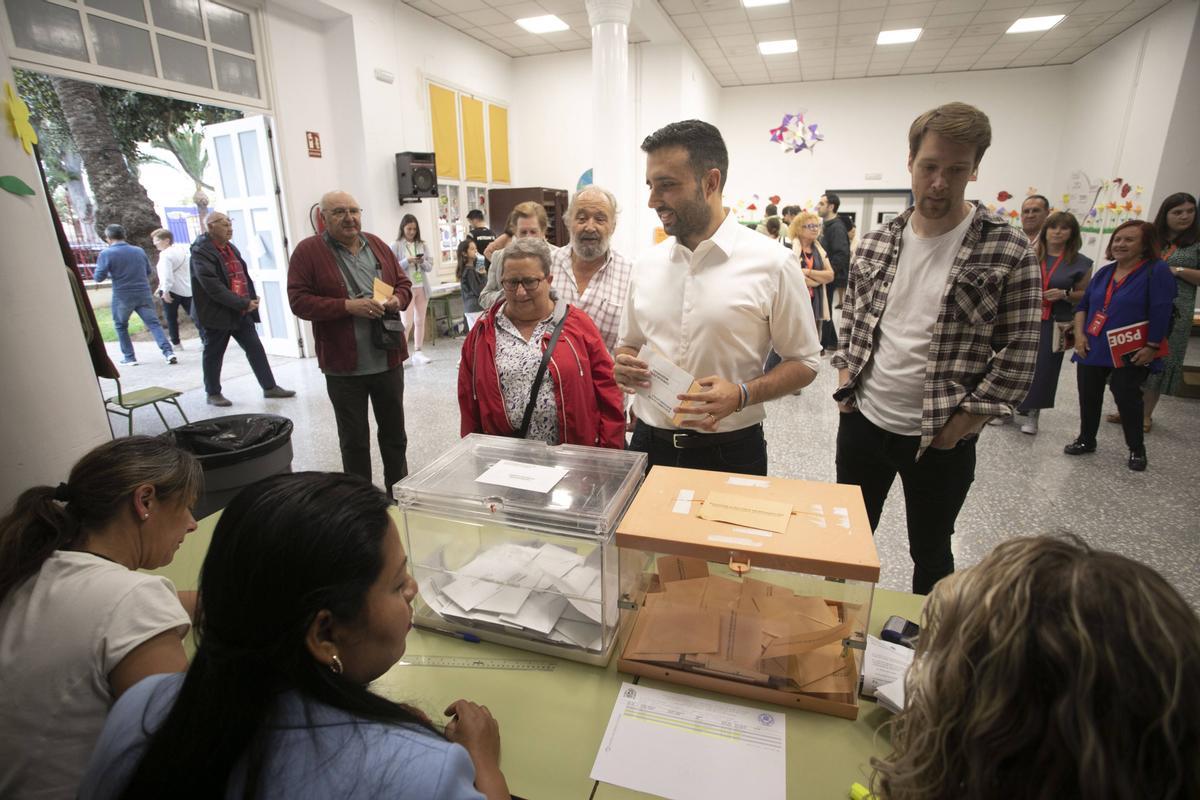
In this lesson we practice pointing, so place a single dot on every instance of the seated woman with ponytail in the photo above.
(304, 600)
(78, 624)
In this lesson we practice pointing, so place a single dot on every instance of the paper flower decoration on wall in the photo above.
(794, 134)
(18, 119)
(1002, 196)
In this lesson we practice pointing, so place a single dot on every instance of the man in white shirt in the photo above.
(590, 274)
(939, 333)
(714, 298)
(175, 282)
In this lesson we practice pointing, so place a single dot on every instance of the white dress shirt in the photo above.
(175, 270)
(719, 310)
(604, 298)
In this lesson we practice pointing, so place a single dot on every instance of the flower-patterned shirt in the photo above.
(517, 363)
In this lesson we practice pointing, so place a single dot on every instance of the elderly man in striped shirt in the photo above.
(939, 334)
(590, 274)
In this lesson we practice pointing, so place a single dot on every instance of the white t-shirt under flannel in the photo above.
(891, 390)
(719, 310)
(62, 632)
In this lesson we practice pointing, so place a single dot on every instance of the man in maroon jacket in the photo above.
(331, 280)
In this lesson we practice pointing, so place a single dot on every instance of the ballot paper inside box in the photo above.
(513, 541)
(756, 587)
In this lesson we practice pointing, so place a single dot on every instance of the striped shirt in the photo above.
(985, 338)
(604, 298)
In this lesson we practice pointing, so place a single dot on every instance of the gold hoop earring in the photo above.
(336, 667)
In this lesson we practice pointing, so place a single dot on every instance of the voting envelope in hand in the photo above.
(667, 382)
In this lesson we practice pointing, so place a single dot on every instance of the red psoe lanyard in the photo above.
(1046, 276)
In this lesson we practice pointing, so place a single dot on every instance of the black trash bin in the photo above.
(235, 451)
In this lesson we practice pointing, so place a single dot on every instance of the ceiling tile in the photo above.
(950, 20)
(862, 39)
(1005, 15)
(858, 72)
(902, 24)
(507, 30)
(462, 6)
(999, 4)
(744, 40)
(716, 5)
(904, 10)
(522, 10)
(576, 19)
(541, 49)
(818, 74)
(989, 29)
(773, 26)
(769, 12)
(677, 6)
(562, 6)
(857, 28)
(817, 56)
(704, 45)
(686, 22)
(736, 28)
(850, 5)
(1095, 6)
(429, 7)
(938, 34)
(488, 16)
(460, 23)
(862, 15)
(1050, 9)
(809, 21)
(718, 18)
(1077, 21)
(818, 45)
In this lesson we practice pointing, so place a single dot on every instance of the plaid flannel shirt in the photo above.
(985, 339)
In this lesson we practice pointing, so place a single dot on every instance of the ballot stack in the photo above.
(755, 587)
(513, 541)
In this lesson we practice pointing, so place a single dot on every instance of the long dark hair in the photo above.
(285, 549)
(1185, 238)
(463, 266)
(407, 218)
(46, 518)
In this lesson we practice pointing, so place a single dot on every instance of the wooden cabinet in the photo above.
(502, 201)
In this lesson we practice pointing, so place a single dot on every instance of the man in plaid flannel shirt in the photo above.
(939, 334)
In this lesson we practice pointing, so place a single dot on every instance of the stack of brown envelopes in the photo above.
(746, 630)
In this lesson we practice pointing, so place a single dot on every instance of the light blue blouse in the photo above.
(315, 751)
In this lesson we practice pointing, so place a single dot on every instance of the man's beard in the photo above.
(590, 249)
(690, 219)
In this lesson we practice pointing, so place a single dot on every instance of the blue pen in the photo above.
(466, 637)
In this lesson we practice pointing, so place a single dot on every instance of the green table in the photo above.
(552, 722)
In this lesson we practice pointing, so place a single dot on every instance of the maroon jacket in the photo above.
(591, 409)
(317, 292)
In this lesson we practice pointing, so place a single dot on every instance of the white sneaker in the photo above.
(170, 358)
(420, 358)
(1030, 425)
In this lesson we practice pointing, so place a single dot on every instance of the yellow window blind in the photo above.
(473, 147)
(445, 131)
(498, 128)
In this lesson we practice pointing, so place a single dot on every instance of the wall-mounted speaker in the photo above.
(416, 176)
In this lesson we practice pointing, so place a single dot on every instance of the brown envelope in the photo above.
(681, 568)
(691, 590)
(721, 593)
(801, 640)
(668, 629)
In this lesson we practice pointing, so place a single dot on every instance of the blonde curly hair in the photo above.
(1050, 670)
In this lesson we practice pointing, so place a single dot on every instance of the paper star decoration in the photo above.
(18, 119)
(794, 134)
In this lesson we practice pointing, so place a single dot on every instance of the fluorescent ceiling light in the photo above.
(760, 3)
(777, 47)
(546, 24)
(902, 36)
(1031, 24)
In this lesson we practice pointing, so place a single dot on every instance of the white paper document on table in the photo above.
(884, 665)
(687, 748)
(516, 475)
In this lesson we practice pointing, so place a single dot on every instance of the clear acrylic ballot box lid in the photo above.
(513, 541)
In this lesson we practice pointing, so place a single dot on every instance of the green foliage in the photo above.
(187, 145)
(135, 116)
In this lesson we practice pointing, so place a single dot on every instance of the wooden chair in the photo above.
(125, 403)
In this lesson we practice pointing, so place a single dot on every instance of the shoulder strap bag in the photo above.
(541, 373)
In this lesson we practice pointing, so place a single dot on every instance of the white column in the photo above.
(614, 151)
(53, 412)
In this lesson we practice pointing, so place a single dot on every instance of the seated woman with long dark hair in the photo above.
(79, 624)
(1050, 670)
(305, 598)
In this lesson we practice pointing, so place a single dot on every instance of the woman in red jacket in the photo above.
(577, 401)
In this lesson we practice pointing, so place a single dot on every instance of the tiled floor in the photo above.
(1023, 484)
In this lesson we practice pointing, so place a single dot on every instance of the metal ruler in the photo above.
(477, 663)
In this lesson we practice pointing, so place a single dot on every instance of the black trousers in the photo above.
(935, 488)
(349, 395)
(1126, 387)
(214, 355)
(747, 454)
(829, 328)
(171, 311)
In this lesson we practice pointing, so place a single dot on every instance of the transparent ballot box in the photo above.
(756, 587)
(512, 541)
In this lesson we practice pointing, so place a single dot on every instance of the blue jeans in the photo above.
(143, 304)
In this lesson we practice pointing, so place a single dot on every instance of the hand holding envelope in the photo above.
(385, 295)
